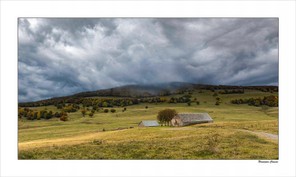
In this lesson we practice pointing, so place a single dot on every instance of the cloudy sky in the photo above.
(59, 57)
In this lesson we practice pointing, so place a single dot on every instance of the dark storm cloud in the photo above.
(63, 56)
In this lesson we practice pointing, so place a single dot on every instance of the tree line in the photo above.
(239, 91)
(182, 99)
(30, 114)
(96, 102)
(271, 101)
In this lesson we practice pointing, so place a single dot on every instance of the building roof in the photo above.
(195, 117)
(149, 123)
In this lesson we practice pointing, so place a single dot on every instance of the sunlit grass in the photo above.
(100, 138)
(157, 143)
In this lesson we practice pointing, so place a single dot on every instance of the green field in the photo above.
(238, 132)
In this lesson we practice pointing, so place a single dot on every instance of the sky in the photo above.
(63, 56)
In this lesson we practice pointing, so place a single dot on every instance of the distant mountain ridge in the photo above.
(141, 90)
(150, 90)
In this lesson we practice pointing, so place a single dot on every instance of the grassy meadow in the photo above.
(238, 132)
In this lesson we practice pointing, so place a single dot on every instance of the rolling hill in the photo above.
(150, 90)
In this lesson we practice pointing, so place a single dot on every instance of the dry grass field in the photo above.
(238, 132)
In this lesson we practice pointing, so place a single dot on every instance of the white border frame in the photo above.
(11, 10)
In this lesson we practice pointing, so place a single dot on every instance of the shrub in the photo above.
(57, 115)
(106, 110)
(64, 117)
(83, 112)
(30, 116)
(49, 115)
(97, 142)
(113, 110)
(70, 108)
(213, 141)
(91, 114)
(59, 106)
(35, 115)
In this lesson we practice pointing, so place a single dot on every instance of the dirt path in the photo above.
(264, 135)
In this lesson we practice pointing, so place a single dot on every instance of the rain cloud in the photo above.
(60, 56)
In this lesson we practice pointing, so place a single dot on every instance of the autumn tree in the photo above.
(83, 112)
(166, 115)
(64, 116)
